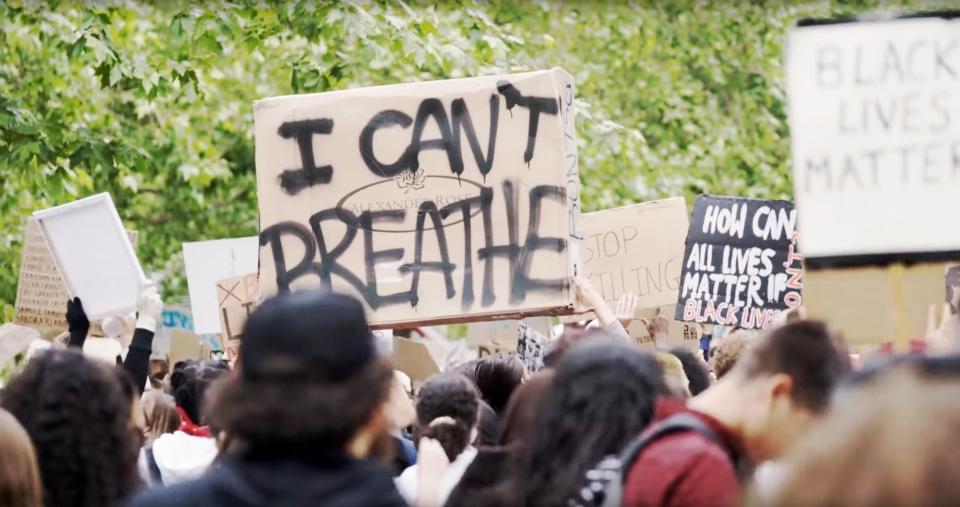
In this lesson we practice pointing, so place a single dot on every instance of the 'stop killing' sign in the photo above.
(431, 202)
(875, 126)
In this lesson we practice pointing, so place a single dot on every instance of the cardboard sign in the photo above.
(637, 249)
(414, 358)
(15, 339)
(236, 297)
(502, 335)
(208, 262)
(679, 334)
(875, 130)
(94, 255)
(741, 265)
(875, 305)
(434, 202)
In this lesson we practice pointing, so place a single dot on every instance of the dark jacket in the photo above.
(486, 482)
(255, 481)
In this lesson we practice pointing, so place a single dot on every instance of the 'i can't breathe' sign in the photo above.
(874, 112)
(741, 266)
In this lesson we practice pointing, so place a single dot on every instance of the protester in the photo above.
(486, 482)
(306, 410)
(890, 443)
(186, 453)
(725, 351)
(674, 378)
(19, 476)
(775, 391)
(160, 415)
(694, 368)
(488, 427)
(603, 394)
(82, 418)
(497, 376)
(447, 412)
(400, 415)
(137, 358)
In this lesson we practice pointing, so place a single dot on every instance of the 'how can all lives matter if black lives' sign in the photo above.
(741, 266)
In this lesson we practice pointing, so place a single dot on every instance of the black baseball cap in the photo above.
(309, 335)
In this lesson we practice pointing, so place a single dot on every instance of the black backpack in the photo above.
(603, 485)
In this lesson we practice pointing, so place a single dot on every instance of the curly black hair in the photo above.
(78, 415)
(453, 396)
(189, 382)
(602, 395)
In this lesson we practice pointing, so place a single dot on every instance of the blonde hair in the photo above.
(726, 351)
(19, 475)
(890, 443)
(160, 414)
(673, 375)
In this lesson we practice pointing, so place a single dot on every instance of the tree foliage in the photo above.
(152, 101)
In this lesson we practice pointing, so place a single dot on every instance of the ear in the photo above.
(780, 387)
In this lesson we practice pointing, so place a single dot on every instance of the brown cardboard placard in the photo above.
(185, 345)
(236, 297)
(15, 339)
(372, 192)
(41, 291)
(875, 305)
(414, 358)
(636, 249)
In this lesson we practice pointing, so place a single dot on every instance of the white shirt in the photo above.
(407, 481)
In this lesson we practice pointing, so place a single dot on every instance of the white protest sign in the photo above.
(874, 112)
(208, 262)
(637, 249)
(15, 339)
(94, 254)
(432, 202)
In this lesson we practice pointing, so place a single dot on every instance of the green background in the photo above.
(152, 101)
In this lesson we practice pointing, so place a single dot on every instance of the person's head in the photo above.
(19, 476)
(496, 377)
(570, 337)
(674, 378)
(310, 379)
(726, 350)
(447, 411)
(159, 414)
(603, 394)
(952, 289)
(892, 442)
(488, 426)
(78, 413)
(694, 368)
(782, 382)
(189, 383)
(158, 372)
(519, 420)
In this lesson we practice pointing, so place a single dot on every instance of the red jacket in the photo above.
(685, 469)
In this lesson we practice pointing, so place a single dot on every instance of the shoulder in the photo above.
(190, 494)
(406, 483)
(667, 466)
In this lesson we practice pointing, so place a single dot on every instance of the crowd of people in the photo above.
(312, 414)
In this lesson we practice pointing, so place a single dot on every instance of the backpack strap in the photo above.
(677, 423)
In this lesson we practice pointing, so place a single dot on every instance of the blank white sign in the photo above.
(874, 112)
(208, 262)
(94, 255)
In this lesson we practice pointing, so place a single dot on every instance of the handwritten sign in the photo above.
(637, 249)
(208, 262)
(236, 297)
(15, 339)
(874, 113)
(741, 266)
(431, 202)
(94, 254)
(41, 292)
